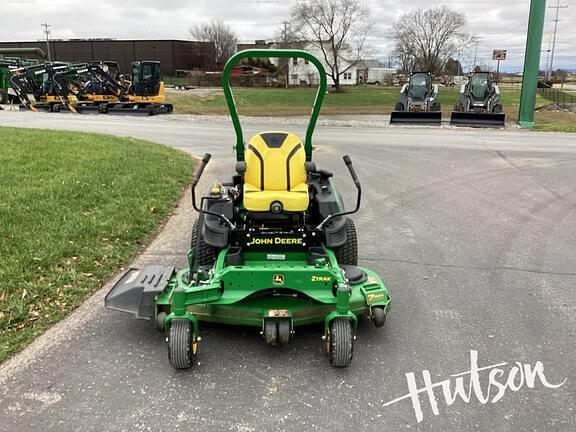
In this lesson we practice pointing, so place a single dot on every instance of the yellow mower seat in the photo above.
(275, 171)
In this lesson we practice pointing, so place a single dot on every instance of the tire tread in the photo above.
(342, 342)
(347, 254)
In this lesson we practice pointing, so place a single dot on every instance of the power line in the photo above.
(557, 7)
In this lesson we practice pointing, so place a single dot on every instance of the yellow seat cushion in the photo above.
(275, 171)
(259, 201)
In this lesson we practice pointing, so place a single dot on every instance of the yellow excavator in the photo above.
(107, 91)
(94, 86)
(45, 86)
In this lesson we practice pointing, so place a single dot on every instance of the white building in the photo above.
(300, 72)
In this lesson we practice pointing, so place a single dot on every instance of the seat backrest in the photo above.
(275, 161)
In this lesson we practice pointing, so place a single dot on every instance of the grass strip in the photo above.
(74, 207)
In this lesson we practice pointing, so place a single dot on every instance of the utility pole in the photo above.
(47, 33)
(286, 46)
(548, 51)
(531, 63)
(557, 7)
(476, 40)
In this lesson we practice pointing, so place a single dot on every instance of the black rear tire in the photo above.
(347, 254)
(341, 342)
(399, 107)
(205, 254)
(180, 344)
(497, 109)
(436, 107)
(3, 97)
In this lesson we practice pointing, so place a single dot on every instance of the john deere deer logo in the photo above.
(278, 279)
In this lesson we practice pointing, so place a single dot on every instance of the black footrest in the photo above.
(135, 292)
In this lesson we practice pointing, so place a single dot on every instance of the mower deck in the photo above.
(305, 296)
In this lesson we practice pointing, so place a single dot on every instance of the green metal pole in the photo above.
(532, 63)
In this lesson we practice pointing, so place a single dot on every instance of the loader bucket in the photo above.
(475, 119)
(416, 117)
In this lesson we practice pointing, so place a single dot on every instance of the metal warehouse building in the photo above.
(173, 54)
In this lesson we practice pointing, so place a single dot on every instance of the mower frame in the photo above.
(272, 278)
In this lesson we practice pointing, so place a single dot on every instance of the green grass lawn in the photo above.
(74, 208)
(355, 100)
(555, 121)
(298, 101)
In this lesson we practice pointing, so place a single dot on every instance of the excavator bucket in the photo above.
(431, 118)
(478, 119)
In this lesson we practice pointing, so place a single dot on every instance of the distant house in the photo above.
(302, 73)
(370, 71)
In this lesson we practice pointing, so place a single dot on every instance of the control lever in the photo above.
(195, 181)
(328, 218)
(205, 160)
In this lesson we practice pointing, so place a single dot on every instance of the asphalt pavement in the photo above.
(473, 233)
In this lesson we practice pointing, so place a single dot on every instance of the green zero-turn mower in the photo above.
(272, 248)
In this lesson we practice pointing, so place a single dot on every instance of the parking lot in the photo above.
(473, 233)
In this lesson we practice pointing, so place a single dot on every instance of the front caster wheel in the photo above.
(378, 316)
(270, 332)
(181, 351)
(277, 332)
(159, 321)
(284, 332)
(341, 342)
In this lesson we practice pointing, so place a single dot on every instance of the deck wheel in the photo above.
(378, 316)
(271, 332)
(159, 321)
(284, 332)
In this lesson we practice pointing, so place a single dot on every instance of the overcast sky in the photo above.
(500, 24)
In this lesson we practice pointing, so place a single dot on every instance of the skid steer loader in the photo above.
(479, 104)
(418, 102)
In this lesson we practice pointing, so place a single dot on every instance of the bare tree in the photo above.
(426, 39)
(404, 58)
(338, 28)
(221, 35)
